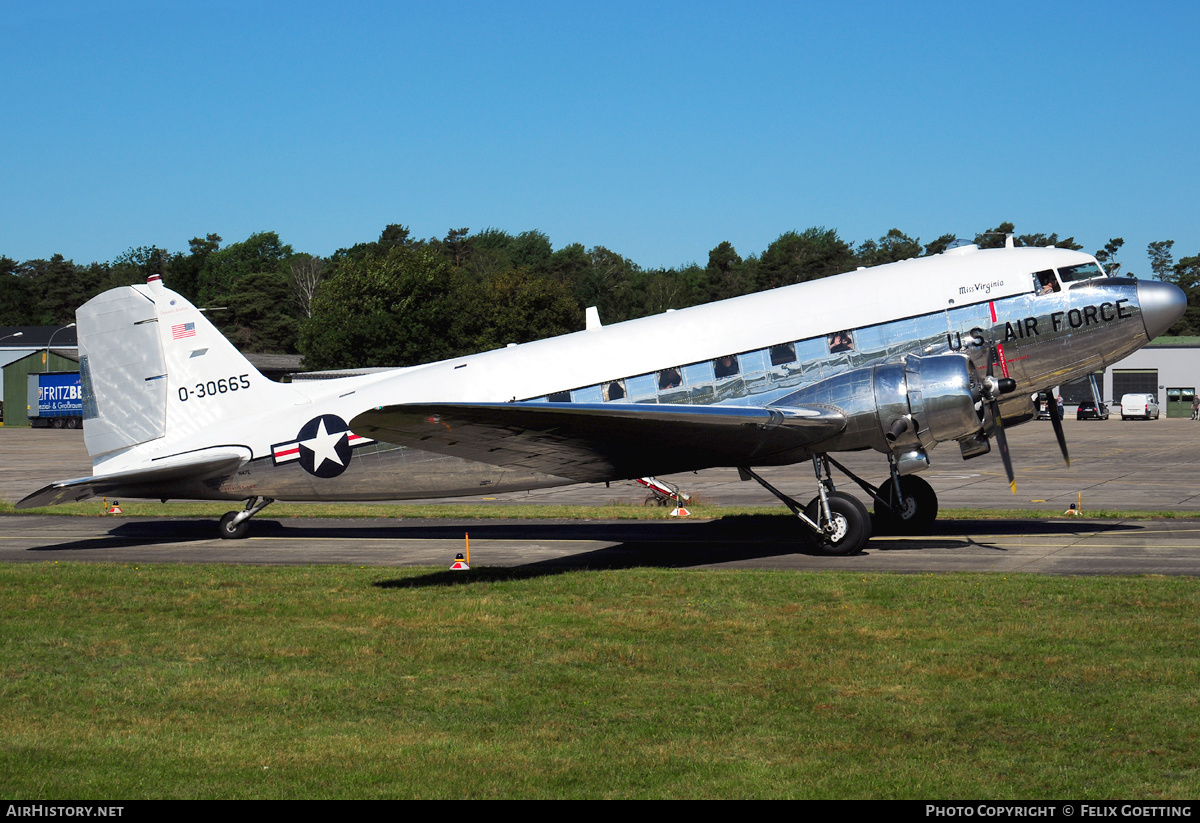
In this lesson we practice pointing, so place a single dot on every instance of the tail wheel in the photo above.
(849, 530)
(913, 513)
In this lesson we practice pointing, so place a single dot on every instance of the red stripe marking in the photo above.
(999, 346)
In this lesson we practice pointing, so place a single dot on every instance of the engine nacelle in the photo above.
(902, 408)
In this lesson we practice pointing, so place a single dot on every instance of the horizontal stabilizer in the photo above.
(596, 442)
(148, 482)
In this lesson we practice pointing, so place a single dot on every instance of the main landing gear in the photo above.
(905, 505)
(838, 524)
(234, 525)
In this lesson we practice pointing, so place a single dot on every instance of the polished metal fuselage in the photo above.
(1041, 340)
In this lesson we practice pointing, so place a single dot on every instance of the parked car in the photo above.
(1139, 406)
(1087, 411)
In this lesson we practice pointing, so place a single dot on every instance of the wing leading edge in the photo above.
(590, 443)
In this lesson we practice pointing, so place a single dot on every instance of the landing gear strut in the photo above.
(905, 505)
(234, 525)
(839, 523)
(911, 511)
(847, 527)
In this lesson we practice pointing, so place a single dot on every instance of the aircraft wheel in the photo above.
(229, 531)
(851, 525)
(917, 510)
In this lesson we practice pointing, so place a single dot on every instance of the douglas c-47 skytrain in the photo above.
(898, 358)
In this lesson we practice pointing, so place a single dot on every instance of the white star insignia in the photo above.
(323, 445)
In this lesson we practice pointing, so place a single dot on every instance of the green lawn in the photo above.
(127, 681)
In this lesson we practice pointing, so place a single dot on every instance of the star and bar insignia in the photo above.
(323, 446)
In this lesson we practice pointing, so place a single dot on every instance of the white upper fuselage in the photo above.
(853, 300)
(269, 413)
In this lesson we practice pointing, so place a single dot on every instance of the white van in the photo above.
(1143, 406)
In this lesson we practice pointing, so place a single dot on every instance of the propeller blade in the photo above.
(994, 390)
(1002, 445)
(1056, 419)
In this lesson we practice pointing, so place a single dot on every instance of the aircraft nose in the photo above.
(1162, 305)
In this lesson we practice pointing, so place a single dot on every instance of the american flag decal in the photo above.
(183, 330)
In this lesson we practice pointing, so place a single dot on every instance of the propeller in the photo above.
(1056, 419)
(993, 387)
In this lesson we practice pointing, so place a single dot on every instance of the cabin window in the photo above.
(614, 390)
(591, 394)
(642, 387)
(669, 379)
(559, 397)
(726, 366)
(841, 341)
(698, 374)
(754, 362)
(873, 340)
(812, 353)
(783, 353)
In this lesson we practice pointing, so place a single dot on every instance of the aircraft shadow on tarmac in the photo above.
(655, 544)
(716, 546)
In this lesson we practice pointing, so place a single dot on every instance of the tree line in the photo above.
(400, 300)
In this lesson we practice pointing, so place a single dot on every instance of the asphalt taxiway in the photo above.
(1115, 466)
(1168, 547)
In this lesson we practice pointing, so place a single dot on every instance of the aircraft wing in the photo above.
(142, 482)
(593, 442)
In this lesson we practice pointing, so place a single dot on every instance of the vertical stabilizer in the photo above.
(157, 372)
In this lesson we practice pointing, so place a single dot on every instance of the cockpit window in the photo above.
(1045, 283)
(1084, 271)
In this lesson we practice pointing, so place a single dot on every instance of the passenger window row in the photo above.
(757, 377)
(731, 376)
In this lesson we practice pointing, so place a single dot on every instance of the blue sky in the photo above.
(657, 130)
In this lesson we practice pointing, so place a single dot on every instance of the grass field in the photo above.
(127, 681)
